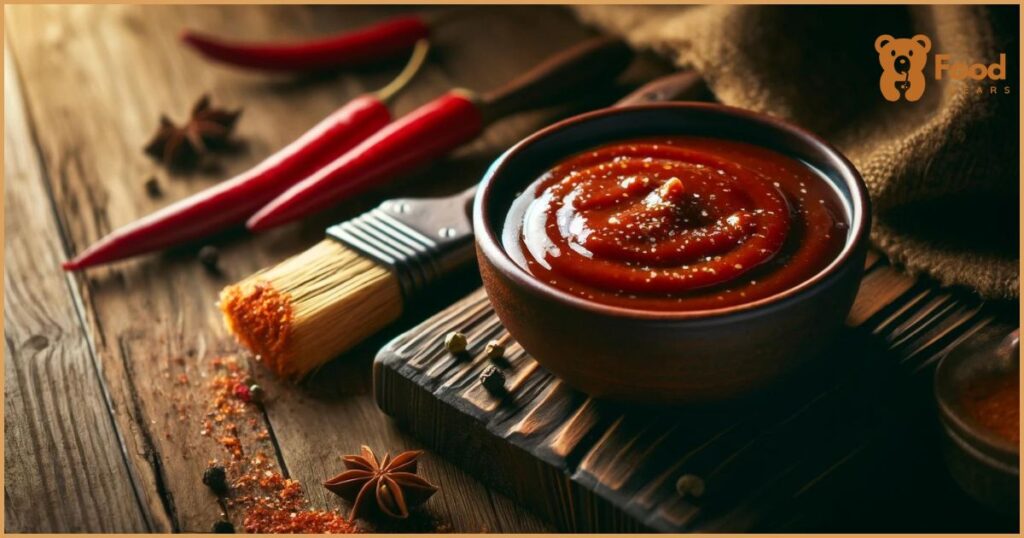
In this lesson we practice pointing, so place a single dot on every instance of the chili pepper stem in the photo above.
(230, 202)
(411, 69)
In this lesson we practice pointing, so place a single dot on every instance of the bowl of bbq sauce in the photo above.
(670, 253)
(977, 389)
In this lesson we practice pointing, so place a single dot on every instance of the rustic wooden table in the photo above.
(104, 370)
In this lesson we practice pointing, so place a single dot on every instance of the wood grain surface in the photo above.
(59, 440)
(105, 369)
(847, 444)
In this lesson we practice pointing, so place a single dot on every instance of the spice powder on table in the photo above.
(268, 501)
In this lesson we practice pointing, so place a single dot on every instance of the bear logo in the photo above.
(903, 62)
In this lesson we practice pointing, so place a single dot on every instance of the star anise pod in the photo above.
(390, 485)
(208, 127)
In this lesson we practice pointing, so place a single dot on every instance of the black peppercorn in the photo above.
(216, 478)
(494, 351)
(153, 187)
(209, 256)
(223, 526)
(493, 380)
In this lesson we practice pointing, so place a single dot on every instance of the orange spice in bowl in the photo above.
(978, 395)
(994, 403)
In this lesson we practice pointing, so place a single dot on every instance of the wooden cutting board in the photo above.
(847, 444)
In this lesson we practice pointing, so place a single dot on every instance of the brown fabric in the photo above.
(942, 171)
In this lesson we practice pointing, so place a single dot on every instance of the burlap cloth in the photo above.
(942, 172)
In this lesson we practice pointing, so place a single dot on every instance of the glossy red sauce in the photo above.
(676, 223)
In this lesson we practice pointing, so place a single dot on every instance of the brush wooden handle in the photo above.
(562, 77)
(680, 86)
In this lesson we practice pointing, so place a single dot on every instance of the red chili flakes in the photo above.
(268, 502)
(226, 407)
(242, 392)
(274, 504)
(233, 445)
(268, 520)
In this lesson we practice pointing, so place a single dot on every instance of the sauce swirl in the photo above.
(676, 223)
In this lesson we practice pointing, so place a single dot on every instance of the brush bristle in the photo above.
(312, 307)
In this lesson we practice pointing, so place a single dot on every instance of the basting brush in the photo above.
(314, 306)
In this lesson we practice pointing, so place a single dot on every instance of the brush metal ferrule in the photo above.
(419, 239)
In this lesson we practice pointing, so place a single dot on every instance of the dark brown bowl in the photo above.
(984, 464)
(667, 357)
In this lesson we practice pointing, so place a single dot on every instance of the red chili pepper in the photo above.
(365, 45)
(424, 134)
(231, 202)
(441, 126)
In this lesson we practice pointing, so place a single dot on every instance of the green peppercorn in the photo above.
(455, 342)
(494, 350)
(223, 526)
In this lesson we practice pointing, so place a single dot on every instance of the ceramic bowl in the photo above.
(984, 464)
(667, 357)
